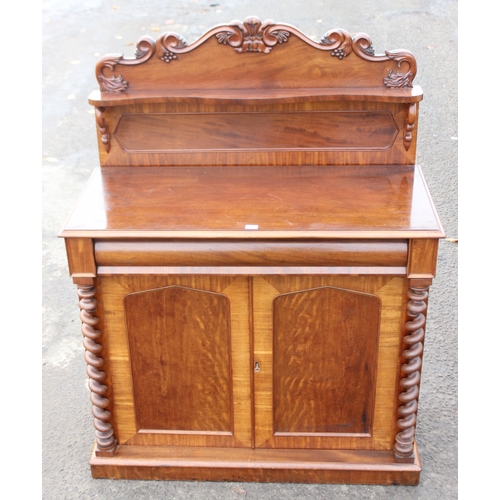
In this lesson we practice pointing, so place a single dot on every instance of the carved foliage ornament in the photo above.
(146, 47)
(254, 35)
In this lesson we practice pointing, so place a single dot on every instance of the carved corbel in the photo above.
(103, 128)
(106, 442)
(410, 125)
(413, 345)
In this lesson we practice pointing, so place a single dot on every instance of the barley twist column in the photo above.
(412, 364)
(105, 439)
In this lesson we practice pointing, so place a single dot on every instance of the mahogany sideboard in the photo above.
(253, 258)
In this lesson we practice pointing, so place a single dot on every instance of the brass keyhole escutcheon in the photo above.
(257, 367)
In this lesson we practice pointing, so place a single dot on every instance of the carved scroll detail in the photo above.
(103, 128)
(254, 35)
(363, 47)
(168, 45)
(401, 79)
(410, 383)
(410, 125)
(146, 47)
(105, 439)
(339, 41)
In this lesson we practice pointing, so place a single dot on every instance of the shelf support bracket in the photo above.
(410, 125)
(102, 126)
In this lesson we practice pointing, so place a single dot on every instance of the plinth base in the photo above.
(270, 465)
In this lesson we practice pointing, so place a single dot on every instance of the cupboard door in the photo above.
(180, 349)
(324, 357)
(184, 343)
(322, 344)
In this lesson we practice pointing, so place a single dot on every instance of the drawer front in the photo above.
(384, 253)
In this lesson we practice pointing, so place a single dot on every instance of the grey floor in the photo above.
(75, 34)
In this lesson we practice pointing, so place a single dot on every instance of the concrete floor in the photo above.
(75, 34)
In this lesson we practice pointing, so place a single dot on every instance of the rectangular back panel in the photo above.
(257, 131)
(320, 133)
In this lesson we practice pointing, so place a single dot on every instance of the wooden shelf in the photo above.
(256, 96)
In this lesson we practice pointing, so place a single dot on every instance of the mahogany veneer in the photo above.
(253, 259)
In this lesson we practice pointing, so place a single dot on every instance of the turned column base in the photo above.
(109, 452)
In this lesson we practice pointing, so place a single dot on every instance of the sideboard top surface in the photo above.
(255, 202)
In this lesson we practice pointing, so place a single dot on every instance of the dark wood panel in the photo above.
(169, 132)
(325, 352)
(180, 356)
(280, 134)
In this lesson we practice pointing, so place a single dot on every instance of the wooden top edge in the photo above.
(247, 235)
(252, 96)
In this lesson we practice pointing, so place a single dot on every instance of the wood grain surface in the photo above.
(237, 464)
(269, 134)
(256, 131)
(253, 231)
(325, 354)
(180, 352)
(262, 253)
(385, 362)
(297, 63)
(259, 96)
(291, 202)
(251, 324)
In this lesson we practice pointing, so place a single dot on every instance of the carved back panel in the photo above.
(257, 93)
